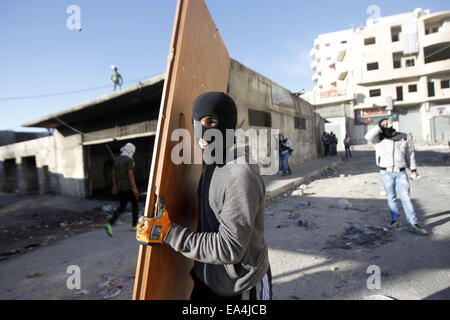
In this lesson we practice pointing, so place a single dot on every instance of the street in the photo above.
(321, 248)
(326, 240)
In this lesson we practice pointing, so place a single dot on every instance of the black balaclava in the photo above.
(222, 107)
(386, 132)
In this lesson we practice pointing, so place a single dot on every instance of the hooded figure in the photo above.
(230, 253)
(128, 150)
(124, 186)
(221, 114)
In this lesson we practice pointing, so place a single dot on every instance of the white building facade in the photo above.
(396, 67)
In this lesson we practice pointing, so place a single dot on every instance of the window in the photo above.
(445, 84)
(344, 41)
(412, 88)
(259, 118)
(431, 30)
(375, 93)
(372, 66)
(327, 45)
(397, 58)
(369, 41)
(431, 89)
(395, 33)
(299, 123)
(409, 62)
(399, 93)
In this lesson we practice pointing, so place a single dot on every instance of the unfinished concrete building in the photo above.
(78, 158)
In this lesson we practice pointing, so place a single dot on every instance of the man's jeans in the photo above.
(348, 152)
(390, 180)
(285, 163)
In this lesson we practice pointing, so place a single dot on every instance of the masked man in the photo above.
(229, 249)
(393, 154)
(124, 186)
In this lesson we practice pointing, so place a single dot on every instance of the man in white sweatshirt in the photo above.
(393, 155)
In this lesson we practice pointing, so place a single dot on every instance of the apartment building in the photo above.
(395, 67)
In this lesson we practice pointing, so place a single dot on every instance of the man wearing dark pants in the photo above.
(124, 186)
(393, 155)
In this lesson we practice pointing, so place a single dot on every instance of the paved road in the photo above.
(304, 235)
(311, 260)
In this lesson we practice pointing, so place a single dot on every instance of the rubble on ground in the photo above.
(370, 236)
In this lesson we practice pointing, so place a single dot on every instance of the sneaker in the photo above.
(108, 229)
(417, 229)
(395, 225)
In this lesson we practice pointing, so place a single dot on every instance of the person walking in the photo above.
(229, 249)
(124, 186)
(347, 144)
(393, 154)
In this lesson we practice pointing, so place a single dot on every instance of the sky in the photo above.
(40, 55)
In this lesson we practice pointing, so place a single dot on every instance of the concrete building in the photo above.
(77, 159)
(9, 136)
(396, 67)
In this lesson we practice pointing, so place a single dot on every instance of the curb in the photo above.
(300, 180)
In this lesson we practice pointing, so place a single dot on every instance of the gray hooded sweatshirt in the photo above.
(235, 258)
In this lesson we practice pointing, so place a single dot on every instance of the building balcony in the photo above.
(312, 53)
(435, 67)
(443, 35)
(314, 65)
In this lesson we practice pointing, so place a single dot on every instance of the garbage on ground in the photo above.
(107, 208)
(307, 225)
(344, 204)
(82, 292)
(297, 193)
(34, 274)
(369, 236)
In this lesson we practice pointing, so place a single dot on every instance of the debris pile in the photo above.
(370, 236)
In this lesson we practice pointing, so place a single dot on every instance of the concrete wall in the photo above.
(70, 165)
(58, 162)
(251, 90)
(44, 152)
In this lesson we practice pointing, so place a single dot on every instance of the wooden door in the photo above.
(198, 62)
